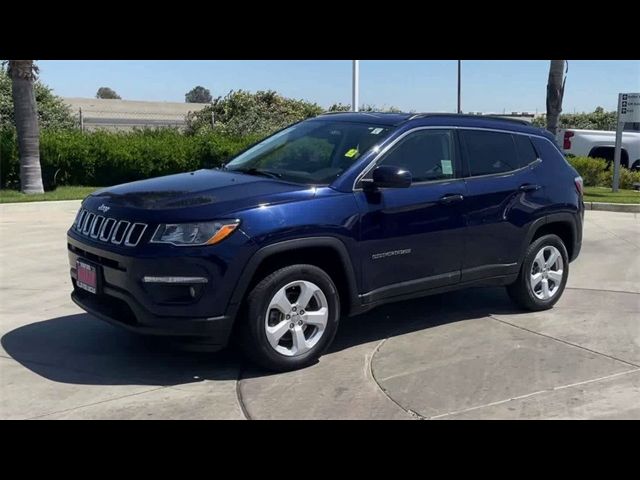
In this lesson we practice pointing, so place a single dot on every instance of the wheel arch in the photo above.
(328, 253)
(561, 224)
(609, 154)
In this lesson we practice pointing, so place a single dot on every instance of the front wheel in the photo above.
(291, 317)
(543, 274)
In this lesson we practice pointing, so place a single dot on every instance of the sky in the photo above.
(411, 85)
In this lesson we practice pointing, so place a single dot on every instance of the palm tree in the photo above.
(555, 92)
(23, 73)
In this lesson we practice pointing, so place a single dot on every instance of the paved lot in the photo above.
(467, 354)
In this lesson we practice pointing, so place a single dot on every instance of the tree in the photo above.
(341, 107)
(106, 92)
(198, 95)
(52, 111)
(555, 93)
(23, 73)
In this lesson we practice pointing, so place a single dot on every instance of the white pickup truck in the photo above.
(601, 144)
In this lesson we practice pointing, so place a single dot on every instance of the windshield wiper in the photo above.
(257, 171)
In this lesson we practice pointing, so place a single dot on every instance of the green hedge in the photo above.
(596, 172)
(107, 158)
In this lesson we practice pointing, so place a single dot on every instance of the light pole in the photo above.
(459, 86)
(355, 98)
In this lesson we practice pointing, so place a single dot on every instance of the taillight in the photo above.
(579, 185)
(567, 140)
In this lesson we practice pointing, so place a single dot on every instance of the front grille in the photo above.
(109, 230)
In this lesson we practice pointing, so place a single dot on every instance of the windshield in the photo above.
(314, 153)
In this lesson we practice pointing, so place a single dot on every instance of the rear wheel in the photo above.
(543, 274)
(291, 318)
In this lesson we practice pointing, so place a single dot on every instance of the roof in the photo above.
(448, 119)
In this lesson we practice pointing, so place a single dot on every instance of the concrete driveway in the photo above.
(467, 354)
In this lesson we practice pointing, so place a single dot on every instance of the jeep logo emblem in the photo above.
(103, 208)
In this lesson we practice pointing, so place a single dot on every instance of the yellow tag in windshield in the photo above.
(351, 153)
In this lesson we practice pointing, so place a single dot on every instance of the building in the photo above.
(98, 113)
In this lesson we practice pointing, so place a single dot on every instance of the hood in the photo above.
(215, 191)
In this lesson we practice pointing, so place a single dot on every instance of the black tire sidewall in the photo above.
(547, 240)
(258, 301)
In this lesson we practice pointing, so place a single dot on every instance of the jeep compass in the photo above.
(330, 217)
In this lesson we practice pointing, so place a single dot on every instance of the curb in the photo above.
(613, 207)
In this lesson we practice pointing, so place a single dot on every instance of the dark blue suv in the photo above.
(331, 216)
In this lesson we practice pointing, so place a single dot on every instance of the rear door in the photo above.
(503, 194)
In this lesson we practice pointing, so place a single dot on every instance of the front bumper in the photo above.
(124, 300)
(131, 317)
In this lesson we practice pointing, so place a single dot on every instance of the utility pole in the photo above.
(459, 86)
(355, 99)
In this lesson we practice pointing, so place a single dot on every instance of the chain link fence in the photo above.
(91, 120)
(125, 115)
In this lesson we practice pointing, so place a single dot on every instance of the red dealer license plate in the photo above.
(87, 276)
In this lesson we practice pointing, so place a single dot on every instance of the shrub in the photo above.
(596, 120)
(596, 172)
(107, 158)
(590, 169)
(627, 178)
(242, 113)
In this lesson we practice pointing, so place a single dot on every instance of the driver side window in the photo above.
(427, 154)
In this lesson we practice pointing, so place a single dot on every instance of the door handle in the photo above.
(449, 199)
(528, 187)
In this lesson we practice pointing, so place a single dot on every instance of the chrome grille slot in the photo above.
(107, 229)
(78, 215)
(119, 232)
(135, 234)
(88, 223)
(97, 225)
(83, 217)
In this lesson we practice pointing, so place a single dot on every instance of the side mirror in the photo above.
(389, 176)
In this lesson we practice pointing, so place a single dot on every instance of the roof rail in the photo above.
(362, 111)
(336, 111)
(458, 115)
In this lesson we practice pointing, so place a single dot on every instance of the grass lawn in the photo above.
(604, 195)
(60, 193)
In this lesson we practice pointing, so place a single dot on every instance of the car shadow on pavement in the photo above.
(404, 317)
(80, 349)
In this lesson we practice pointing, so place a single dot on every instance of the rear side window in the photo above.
(526, 153)
(490, 152)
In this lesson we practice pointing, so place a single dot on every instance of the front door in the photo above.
(413, 238)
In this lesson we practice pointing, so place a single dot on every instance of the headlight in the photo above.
(193, 234)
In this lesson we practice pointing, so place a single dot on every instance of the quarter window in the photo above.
(526, 153)
(427, 154)
(490, 152)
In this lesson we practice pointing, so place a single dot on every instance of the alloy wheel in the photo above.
(546, 273)
(296, 318)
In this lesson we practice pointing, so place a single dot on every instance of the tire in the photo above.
(537, 297)
(273, 307)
